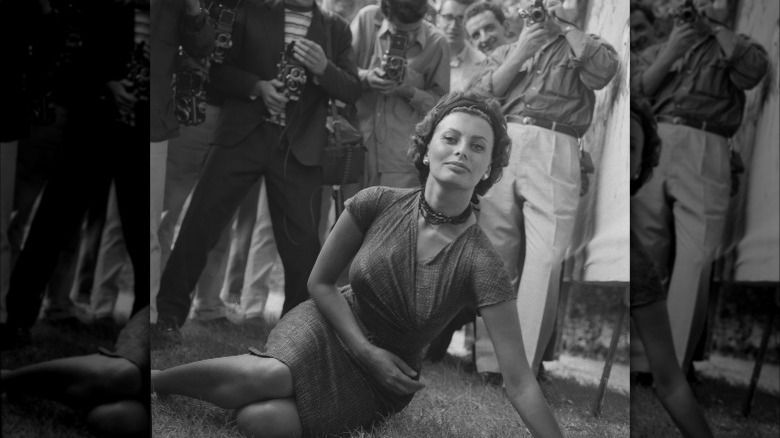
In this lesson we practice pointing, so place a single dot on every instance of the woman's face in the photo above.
(637, 145)
(460, 150)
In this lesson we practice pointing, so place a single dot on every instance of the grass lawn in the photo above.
(33, 417)
(455, 402)
(721, 393)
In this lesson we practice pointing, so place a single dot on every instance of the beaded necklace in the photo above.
(433, 217)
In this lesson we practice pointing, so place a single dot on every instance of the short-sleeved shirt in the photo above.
(556, 84)
(387, 121)
(705, 84)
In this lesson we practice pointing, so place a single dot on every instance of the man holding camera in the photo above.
(173, 22)
(546, 82)
(403, 63)
(697, 80)
(288, 58)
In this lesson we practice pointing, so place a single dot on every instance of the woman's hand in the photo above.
(392, 372)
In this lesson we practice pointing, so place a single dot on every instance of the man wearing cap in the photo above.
(546, 82)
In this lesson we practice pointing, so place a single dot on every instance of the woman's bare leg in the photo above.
(125, 418)
(652, 322)
(277, 418)
(228, 382)
(79, 381)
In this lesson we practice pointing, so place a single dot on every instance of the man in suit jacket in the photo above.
(262, 132)
(85, 166)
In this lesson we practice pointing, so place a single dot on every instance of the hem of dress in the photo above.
(306, 429)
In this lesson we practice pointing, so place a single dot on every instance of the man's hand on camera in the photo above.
(272, 94)
(560, 10)
(376, 81)
(311, 55)
(124, 99)
(680, 40)
(402, 90)
(531, 39)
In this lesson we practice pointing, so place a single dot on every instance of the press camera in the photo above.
(394, 58)
(292, 73)
(190, 96)
(536, 13)
(684, 14)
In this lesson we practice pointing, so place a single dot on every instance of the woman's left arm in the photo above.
(523, 391)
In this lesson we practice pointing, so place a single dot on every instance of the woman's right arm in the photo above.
(342, 244)
(523, 391)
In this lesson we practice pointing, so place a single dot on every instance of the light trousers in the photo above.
(529, 216)
(158, 153)
(679, 216)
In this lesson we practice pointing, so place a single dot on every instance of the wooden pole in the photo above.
(760, 360)
(596, 410)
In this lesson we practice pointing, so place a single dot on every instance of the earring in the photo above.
(485, 176)
(425, 161)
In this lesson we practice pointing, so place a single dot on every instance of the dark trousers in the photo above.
(294, 194)
(94, 153)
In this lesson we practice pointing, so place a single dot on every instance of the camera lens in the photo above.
(537, 15)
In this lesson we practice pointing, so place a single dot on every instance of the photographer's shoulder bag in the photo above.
(344, 155)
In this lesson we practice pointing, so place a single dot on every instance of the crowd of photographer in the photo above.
(244, 179)
(70, 201)
(75, 107)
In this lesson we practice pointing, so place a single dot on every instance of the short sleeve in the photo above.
(365, 206)
(489, 280)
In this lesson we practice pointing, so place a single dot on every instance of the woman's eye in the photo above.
(449, 139)
(478, 147)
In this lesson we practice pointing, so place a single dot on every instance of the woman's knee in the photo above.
(267, 377)
(126, 418)
(270, 419)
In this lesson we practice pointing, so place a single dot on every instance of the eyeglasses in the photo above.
(449, 18)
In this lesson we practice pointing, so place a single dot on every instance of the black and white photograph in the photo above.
(704, 218)
(75, 315)
(394, 218)
(390, 218)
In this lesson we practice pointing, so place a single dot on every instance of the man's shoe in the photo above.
(489, 378)
(165, 334)
(643, 378)
(14, 337)
(542, 376)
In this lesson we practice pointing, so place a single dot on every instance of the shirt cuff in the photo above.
(740, 47)
(591, 46)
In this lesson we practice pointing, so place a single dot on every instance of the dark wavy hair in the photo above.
(651, 152)
(502, 144)
(482, 6)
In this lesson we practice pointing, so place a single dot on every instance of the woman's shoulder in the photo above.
(385, 195)
(484, 253)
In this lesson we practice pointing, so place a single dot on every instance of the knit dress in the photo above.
(400, 303)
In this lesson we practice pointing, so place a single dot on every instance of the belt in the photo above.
(697, 124)
(546, 124)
